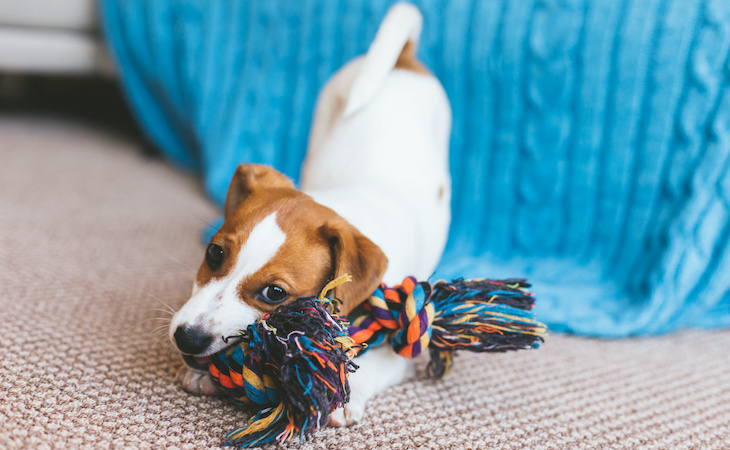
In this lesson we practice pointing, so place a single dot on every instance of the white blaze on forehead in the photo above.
(264, 241)
(215, 306)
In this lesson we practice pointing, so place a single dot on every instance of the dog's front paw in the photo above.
(348, 415)
(197, 382)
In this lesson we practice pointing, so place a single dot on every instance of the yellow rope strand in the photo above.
(333, 284)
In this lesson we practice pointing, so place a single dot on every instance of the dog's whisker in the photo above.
(159, 334)
(163, 311)
(161, 338)
(160, 301)
(166, 319)
(158, 329)
(181, 262)
(207, 223)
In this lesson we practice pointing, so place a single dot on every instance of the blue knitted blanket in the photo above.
(591, 141)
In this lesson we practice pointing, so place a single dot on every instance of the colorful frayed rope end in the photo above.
(476, 315)
(293, 365)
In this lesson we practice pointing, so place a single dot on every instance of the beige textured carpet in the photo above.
(92, 233)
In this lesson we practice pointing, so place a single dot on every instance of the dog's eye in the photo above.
(273, 294)
(214, 256)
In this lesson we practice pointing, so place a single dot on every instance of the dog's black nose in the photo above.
(192, 340)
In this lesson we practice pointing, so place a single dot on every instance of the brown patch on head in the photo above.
(302, 266)
(319, 245)
(249, 178)
(407, 60)
(354, 254)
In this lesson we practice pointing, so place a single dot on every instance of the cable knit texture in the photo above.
(590, 148)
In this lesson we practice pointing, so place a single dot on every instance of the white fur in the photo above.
(216, 306)
(379, 369)
(384, 167)
(378, 156)
(402, 23)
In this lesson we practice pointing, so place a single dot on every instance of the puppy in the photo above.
(374, 203)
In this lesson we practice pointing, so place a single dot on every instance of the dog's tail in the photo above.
(402, 24)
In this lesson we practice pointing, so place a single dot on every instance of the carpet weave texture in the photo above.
(94, 236)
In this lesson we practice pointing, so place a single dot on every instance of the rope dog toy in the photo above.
(292, 365)
(475, 315)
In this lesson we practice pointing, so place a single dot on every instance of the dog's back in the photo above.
(378, 150)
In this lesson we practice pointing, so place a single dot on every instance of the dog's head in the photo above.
(276, 244)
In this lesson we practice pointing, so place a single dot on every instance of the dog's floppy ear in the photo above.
(354, 254)
(247, 179)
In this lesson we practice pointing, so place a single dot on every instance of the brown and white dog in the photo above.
(374, 203)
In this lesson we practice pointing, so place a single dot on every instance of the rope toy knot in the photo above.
(405, 310)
